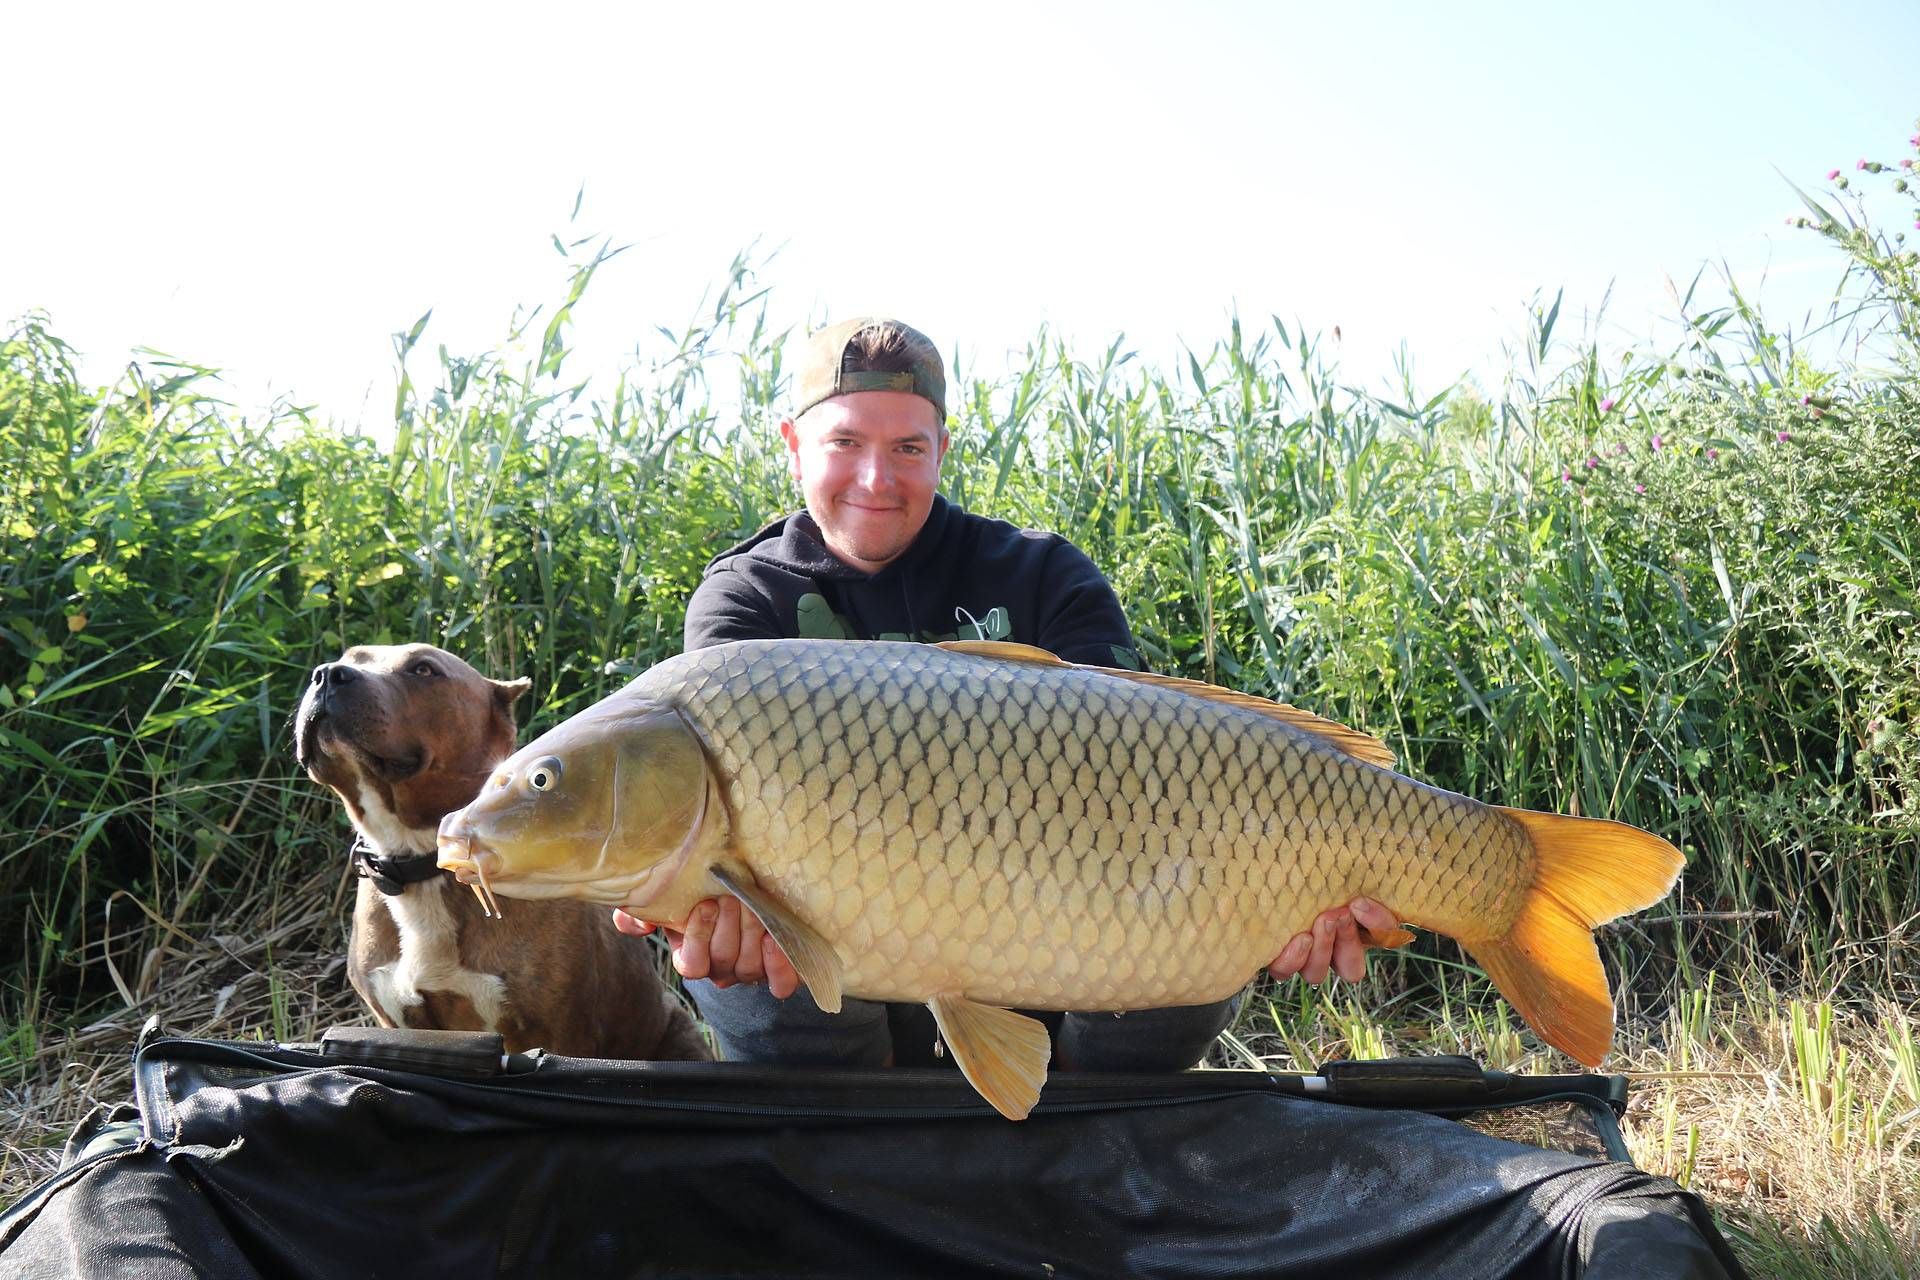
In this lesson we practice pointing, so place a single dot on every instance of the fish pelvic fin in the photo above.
(1587, 871)
(814, 958)
(1388, 938)
(1351, 741)
(1003, 1054)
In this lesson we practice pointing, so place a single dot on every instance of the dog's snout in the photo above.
(331, 675)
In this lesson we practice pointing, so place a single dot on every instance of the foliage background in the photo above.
(1676, 589)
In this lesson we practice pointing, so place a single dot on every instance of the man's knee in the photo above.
(750, 1024)
(1147, 1040)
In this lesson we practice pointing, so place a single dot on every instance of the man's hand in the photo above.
(725, 942)
(1336, 940)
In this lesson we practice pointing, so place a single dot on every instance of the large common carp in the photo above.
(984, 827)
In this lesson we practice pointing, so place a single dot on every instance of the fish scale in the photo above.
(983, 827)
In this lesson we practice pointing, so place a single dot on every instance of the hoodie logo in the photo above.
(814, 619)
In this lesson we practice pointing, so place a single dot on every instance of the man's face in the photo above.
(868, 463)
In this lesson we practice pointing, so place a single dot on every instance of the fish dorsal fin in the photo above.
(1360, 746)
(814, 958)
(1003, 1054)
(1005, 650)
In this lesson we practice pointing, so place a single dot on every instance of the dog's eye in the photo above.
(543, 775)
(423, 669)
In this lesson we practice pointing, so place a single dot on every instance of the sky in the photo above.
(276, 190)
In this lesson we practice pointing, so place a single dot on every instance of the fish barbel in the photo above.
(983, 827)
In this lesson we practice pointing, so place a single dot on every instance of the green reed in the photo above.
(1678, 590)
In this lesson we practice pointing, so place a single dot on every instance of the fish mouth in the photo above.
(469, 866)
(457, 854)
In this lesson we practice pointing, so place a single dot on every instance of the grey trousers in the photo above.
(751, 1025)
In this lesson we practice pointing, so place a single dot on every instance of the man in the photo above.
(878, 555)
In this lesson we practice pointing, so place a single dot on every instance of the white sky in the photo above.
(277, 190)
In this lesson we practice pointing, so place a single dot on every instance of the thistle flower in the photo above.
(1593, 462)
(1566, 475)
(1832, 174)
(1713, 455)
(1639, 488)
(1658, 444)
(1860, 163)
(1783, 436)
(1606, 406)
(1806, 399)
(1620, 449)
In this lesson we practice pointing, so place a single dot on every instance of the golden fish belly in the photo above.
(1050, 837)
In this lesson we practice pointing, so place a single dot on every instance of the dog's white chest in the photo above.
(429, 959)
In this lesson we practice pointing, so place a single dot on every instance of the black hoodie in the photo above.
(963, 578)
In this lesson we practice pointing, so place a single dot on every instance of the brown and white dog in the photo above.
(406, 734)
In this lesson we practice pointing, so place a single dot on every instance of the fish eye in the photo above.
(542, 775)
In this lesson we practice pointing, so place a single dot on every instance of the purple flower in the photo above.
(1832, 174)
(1620, 448)
(1639, 488)
(1783, 436)
(1806, 399)
(1592, 462)
(1915, 139)
(1606, 406)
(1907, 163)
(1713, 455)
(1658, 443)
(1566, 475)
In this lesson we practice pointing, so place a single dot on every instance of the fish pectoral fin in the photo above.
(814, 958)
(1003, 1054)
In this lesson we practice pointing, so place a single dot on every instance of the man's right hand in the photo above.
(724, 942)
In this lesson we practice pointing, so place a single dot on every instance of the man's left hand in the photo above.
(1335, 941)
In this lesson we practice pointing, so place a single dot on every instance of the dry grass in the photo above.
(1807, 1148)
(1814, 1175)
(284, 979)
(1809, 1153)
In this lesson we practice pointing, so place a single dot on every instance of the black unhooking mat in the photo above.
(409, 1154)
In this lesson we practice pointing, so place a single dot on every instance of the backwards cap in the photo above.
(821, 369)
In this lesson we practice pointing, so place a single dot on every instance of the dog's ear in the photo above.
(507, 692)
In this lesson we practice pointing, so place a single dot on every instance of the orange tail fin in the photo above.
(1587, 871)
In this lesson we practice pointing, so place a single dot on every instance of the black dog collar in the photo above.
(391, 873)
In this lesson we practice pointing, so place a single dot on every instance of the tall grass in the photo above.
(1679, 591)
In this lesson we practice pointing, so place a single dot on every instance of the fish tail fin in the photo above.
(1587, 871)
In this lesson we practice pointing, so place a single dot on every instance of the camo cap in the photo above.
(822, 369)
